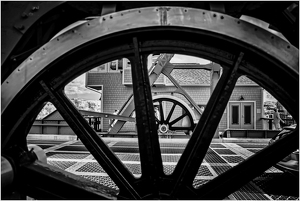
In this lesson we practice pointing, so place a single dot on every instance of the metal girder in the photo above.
(108, 8)
(154, 73)
(188, 66)
(217, 6)
(273, 16)
(107, 115)
(167, 72)
(17, 19)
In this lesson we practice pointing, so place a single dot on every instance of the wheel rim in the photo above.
(48, 84)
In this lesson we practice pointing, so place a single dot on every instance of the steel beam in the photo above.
(107, 115)
(18, 19)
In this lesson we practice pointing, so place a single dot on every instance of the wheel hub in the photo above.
(163, 128)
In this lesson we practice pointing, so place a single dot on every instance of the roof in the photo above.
(54, 115)
(200, 77)
(194, 74)
(190, 77)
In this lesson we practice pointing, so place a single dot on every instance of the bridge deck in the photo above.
(73, 157)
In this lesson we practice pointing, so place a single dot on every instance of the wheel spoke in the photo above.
(239, 175)
(150, 155)
(67, 185)
(198, 144)
(177, 119)
(171, 112)
(108, 160)
(161, 111)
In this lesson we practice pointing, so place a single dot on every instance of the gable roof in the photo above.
(54, 115)
(190, 77)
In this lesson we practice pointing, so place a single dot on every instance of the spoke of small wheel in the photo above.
(196, 149)
(150, 155)
(161, 112)
(177, 119)
(108, 160)
(157, 120)
(171, 113)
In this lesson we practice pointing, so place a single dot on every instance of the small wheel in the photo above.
(172, 115)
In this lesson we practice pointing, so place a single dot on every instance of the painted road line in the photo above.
(59, 146)
(79, 164)
(240, 151)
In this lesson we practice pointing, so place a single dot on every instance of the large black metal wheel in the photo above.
(239, 47)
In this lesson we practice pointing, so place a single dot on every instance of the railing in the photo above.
(60, 127)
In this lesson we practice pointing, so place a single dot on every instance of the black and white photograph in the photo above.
(149, 100)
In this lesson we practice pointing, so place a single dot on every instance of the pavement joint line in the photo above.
(231, 197)
(221, 156)
(205, 177)
(243, 152)
(77, 165)
(59, 146)
(212, 170)
(74, 167)
(112, 143)
(273, 170)
(90, 159)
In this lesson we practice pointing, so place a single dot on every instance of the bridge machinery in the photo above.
(36, 75)
(190, 115)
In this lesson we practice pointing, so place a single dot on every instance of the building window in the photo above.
(115, 66)
(235, 114)
(120, 64)
(247, 113)
(154, 58)
(127, 63)
(100, 69)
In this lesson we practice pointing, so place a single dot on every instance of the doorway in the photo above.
(241, 115)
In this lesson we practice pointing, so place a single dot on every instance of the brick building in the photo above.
(243, 111)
